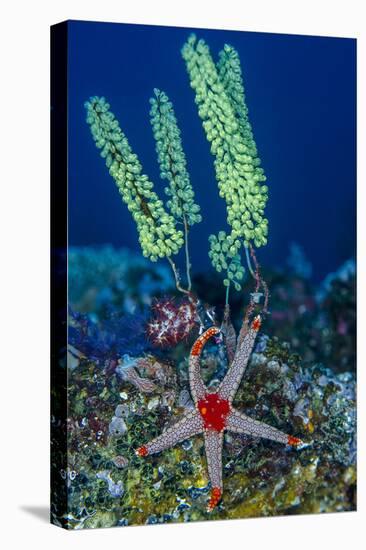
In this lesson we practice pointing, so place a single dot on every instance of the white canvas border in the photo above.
(25, 266)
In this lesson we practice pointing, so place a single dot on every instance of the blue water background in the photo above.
(301, 97)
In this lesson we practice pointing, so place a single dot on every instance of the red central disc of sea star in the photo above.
(214, 411)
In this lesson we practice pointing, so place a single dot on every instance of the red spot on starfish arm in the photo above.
(256, 325)
(142, 451)
(214, 411)
(216, 494)
(294, 441)
(197, 348)
(201, 341)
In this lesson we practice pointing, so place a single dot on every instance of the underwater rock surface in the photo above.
(112, 413)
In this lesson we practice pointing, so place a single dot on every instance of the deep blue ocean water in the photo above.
(301, 94)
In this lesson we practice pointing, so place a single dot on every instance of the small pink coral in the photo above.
(172, 321)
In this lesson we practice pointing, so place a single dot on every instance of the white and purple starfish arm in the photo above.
(191, 424)
(198, 389)
(238, 422)
(213, 447)
(230, 383)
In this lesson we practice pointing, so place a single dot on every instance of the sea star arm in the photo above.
(198, 389)
(191, 424)
(238, 422)
(213, 447)
(230, 383)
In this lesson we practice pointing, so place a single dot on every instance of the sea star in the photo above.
(214, 413)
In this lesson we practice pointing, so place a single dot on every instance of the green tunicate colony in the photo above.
(219, 94)
(224, 257)
(172, 161)
(157, 230)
